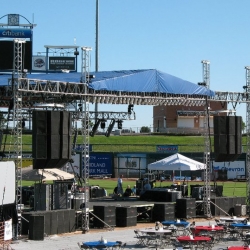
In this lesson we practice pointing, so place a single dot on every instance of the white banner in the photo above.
(8, 230)
(233, 168)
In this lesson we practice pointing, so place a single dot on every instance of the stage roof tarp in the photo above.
(149, 80)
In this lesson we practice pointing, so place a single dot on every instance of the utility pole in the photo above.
(96, 49)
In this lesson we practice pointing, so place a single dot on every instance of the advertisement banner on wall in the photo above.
(233, 168)
(167, 149)
(39, 63)
(99, 164)
(131, 163)
(15, 33)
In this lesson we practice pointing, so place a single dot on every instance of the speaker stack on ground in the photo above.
(185, 208)
(126, 216)
(106, 214)
(227, 204)
(51, 139)
(54, 222)
(36, 227)
(163, 212)
(227, 138)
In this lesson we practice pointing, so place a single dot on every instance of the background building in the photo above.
(184, 119)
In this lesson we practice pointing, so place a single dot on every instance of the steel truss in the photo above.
(85, 133)
(247, 89)
(76, 115)
(26, 92)
(17, 123)
(207, 146)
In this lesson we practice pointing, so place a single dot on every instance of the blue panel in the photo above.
(100, 164)
(15, 33)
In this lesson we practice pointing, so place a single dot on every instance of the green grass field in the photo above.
(135, 143)
(230, 188)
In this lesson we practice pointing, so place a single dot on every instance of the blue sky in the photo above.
(169, 35)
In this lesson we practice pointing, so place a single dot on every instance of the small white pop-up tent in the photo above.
(52, 174)
(176, 162)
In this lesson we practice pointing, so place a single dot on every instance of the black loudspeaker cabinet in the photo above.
(42, 196)
(25, 222)
(126, 216)
(106, 214)
(126, 221)
(36, 227)
(104, 211)
(185, 208)
(53, 222)
(39, 139)
(187, 213)
(157, 194)
(51, 138)
(227, 138)
(126, 212)
(163, 212)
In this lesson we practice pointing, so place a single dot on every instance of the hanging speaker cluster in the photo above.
(51, 139)
(227, 138)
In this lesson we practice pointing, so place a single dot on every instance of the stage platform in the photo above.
(122, 202)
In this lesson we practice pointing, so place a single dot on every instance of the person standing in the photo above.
(119, 185)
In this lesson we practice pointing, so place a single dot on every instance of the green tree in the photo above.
(2, 120)
(145, 129)
(243, 126)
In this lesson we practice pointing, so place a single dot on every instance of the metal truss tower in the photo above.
(247, 89)
(17, 123)
(85, 78)
(207, 149)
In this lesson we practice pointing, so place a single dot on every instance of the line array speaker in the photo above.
(227, 138)
(51, 138)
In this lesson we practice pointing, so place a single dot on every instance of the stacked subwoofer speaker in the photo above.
(36, 227)
(227, 138)
(52, 222)
(126, 216)
(185, 208)
(163, 212)
(51, 139)
(106, 214)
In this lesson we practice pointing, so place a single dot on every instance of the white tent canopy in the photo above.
(176, 162)
(52, 174)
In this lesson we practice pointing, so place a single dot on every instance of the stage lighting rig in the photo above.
(110, 128)
(95, 127)
(130, 108)
(103, 124)
(119, 124)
